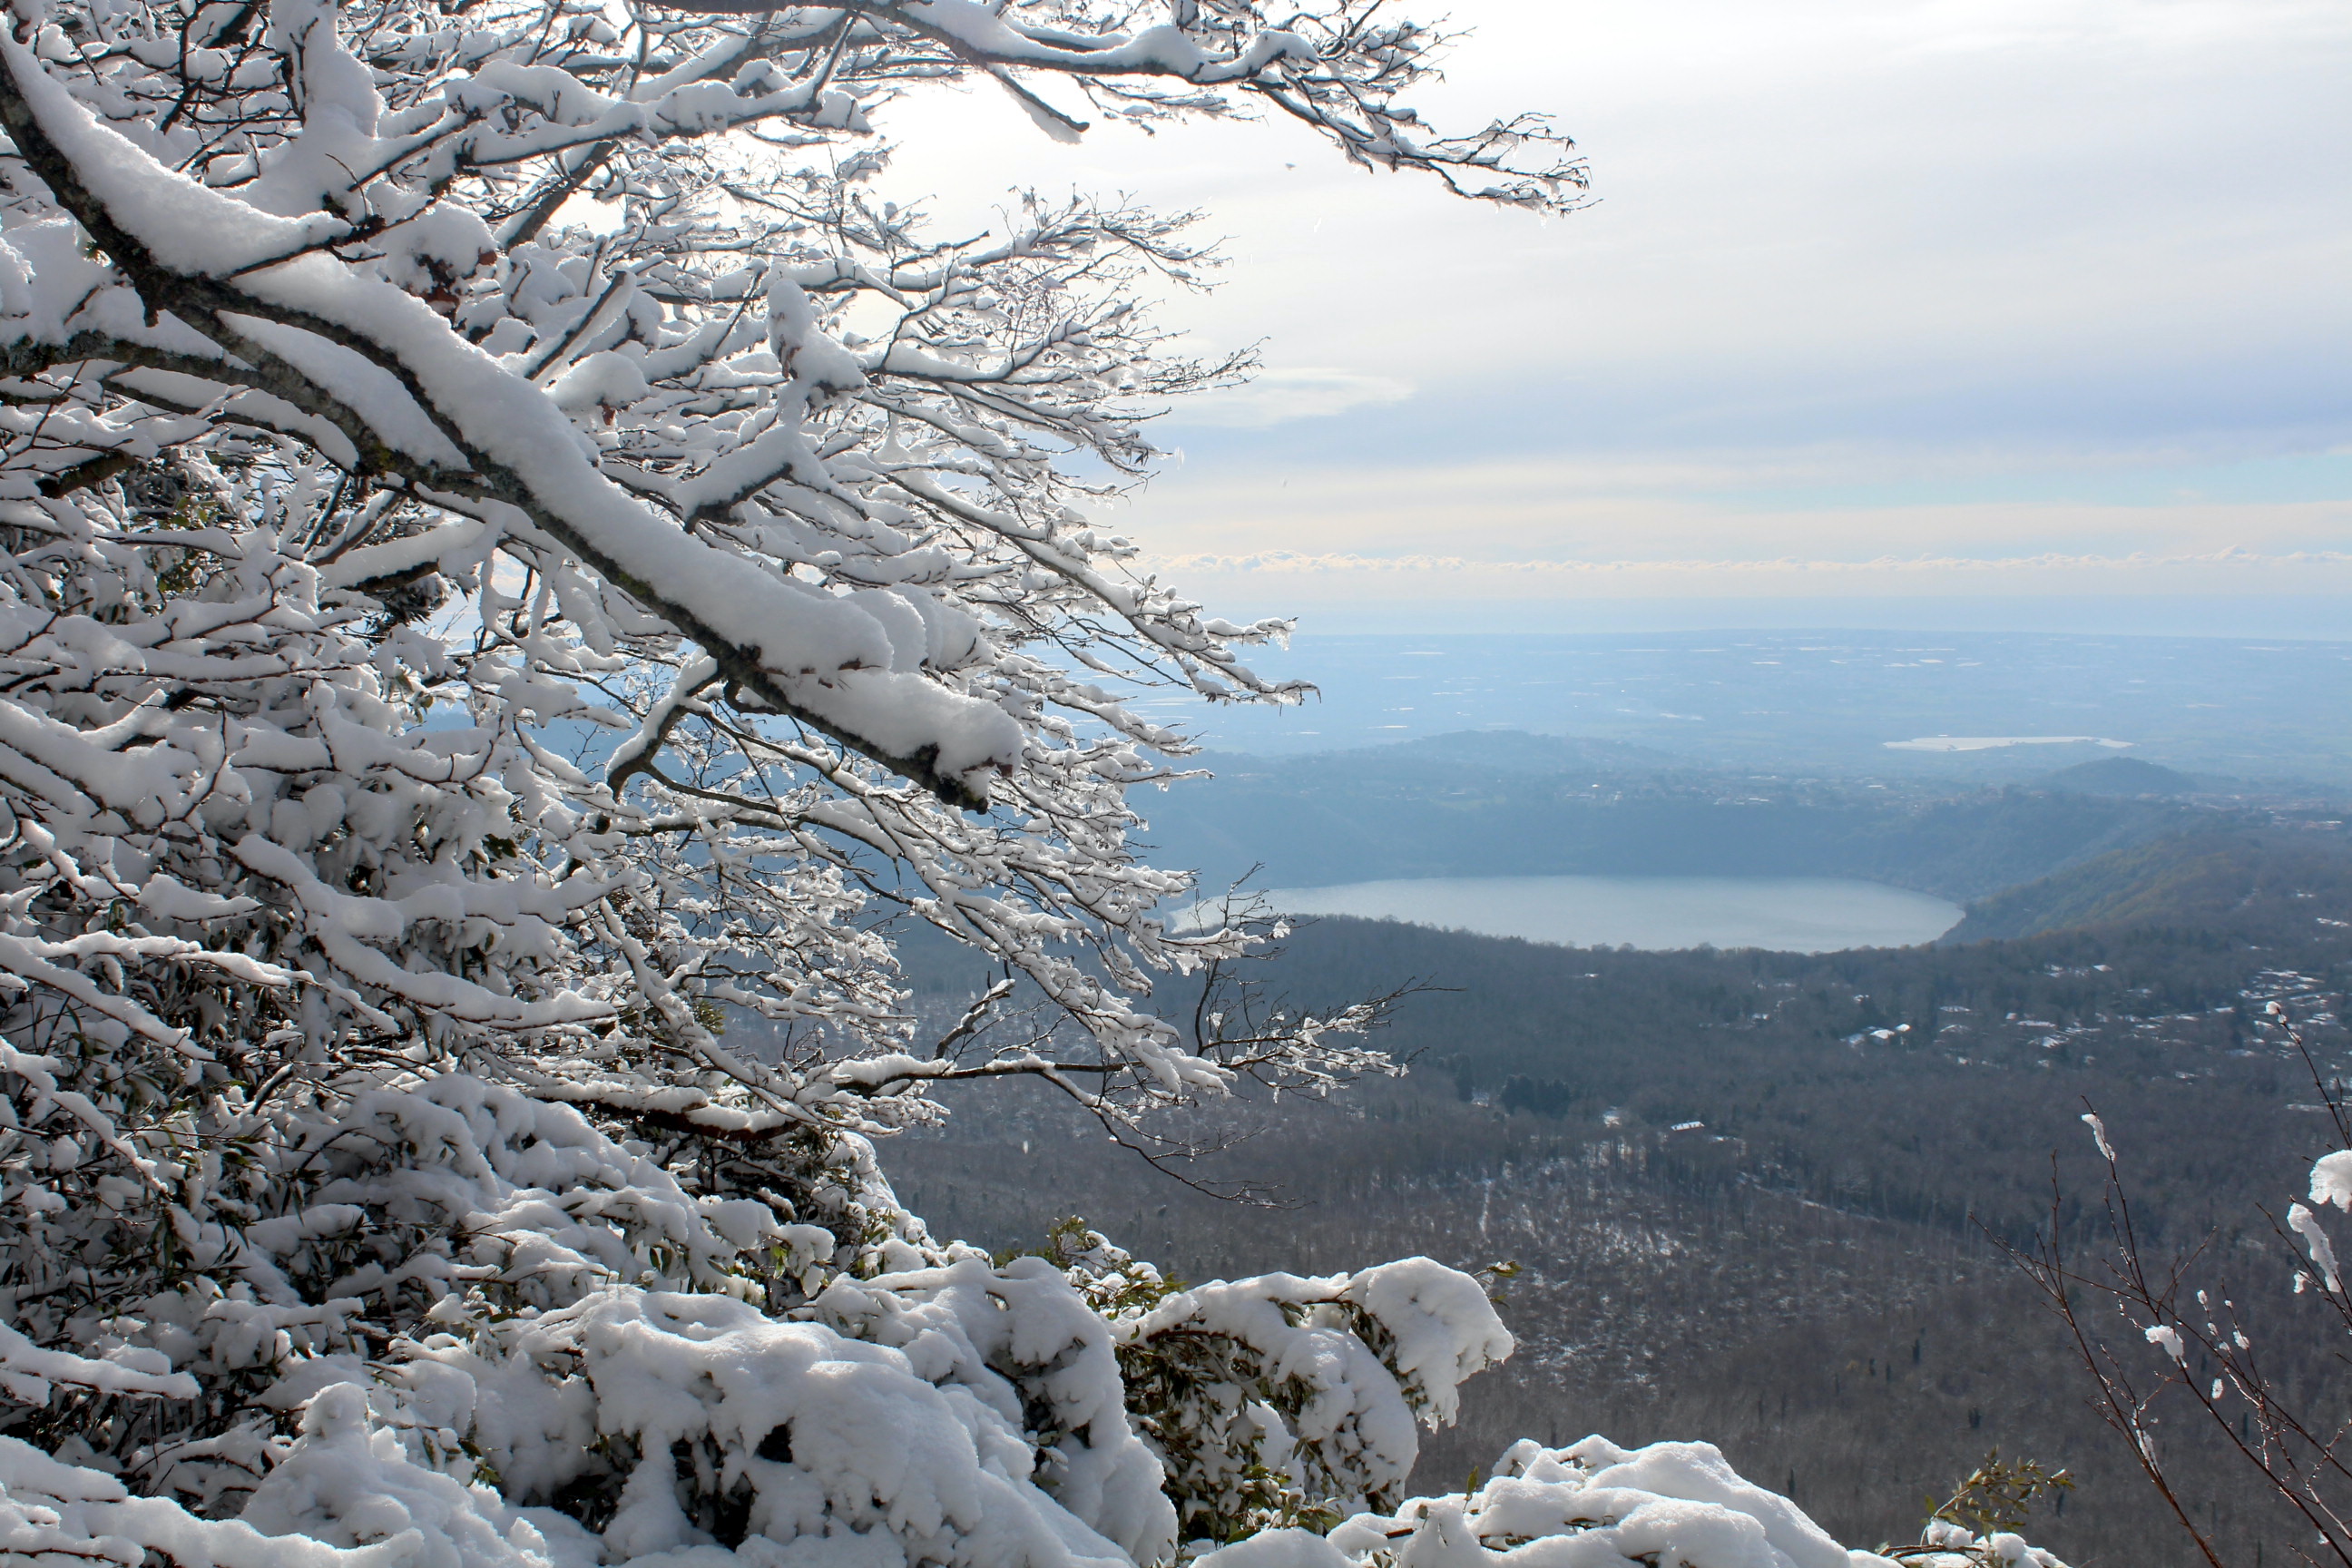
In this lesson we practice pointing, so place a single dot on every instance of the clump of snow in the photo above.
(1275, 1383)
(2305, 1223)
(348, 1485)
(806, 1433)
(599, 381)
(870, 1465)
(1605, 1506)
(2099, 1136)
(1965, 1550)
(2331, 1179)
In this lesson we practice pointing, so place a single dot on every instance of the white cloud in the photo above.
(1911, 245)
(1293, 563)
(1284, 583)
(1656, 509)
(1693, 470)
(1279, 396)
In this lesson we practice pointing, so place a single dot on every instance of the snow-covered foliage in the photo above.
(1282, 1399)
(349, 1494)
(1670, 1502)
(465, 1287)
(518, 559)
(1597, 1505)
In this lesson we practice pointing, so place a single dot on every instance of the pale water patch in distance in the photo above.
(1994, 742)
(1786, 915)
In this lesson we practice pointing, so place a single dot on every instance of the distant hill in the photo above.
(1517, 751)
(1500, 802)
(2119, 776)
(1828, 703)
(2209, 880)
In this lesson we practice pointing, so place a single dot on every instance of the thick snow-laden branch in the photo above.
(1339, 67)
(208, 256)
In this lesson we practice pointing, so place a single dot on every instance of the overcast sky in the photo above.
(1978, 297)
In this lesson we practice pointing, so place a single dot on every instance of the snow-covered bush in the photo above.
(516, 559)
(1596, 1505)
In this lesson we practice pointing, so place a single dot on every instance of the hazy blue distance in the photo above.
(1824, 703)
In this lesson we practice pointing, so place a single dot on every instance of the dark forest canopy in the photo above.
(1751, 1191)
(1810, 1072)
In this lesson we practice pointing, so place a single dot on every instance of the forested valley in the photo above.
(1763, 1195)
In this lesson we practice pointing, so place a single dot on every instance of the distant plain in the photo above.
(1827, 702)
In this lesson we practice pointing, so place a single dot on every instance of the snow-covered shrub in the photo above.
(479, 1288)
(1280, 1399)
(1596, 1505)
(347, 1495)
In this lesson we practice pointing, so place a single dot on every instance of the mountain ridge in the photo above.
(1507, 804)
(2213, 879)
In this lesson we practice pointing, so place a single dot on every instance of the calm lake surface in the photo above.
(1789, 914)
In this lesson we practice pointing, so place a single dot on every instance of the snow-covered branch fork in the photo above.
(2194, 1354)
(261, 305)
(309, 258)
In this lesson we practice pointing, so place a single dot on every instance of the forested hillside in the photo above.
(1506, 805)
(1752, 1191)
(2212, 879)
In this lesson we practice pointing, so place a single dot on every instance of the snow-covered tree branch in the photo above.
(820, 591)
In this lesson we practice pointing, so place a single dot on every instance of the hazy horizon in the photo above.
(1814, 699)
(2309, 617)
